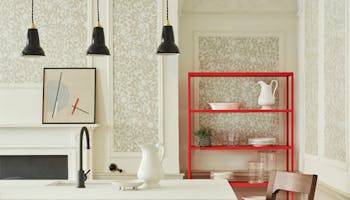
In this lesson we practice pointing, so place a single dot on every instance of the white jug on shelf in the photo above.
(267, 96)
(151, 169)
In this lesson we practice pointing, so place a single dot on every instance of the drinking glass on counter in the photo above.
(256, 171)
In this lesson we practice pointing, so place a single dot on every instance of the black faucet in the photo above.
(82, 176)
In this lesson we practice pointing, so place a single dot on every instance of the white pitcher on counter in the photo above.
(151, 169)
(267, 97)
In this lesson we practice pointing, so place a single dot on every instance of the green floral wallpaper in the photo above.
(62, 29)
(334, 71)
(311, 72)
(235, 53)
(136, 74)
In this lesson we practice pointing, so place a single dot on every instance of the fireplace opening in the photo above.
(37, 167)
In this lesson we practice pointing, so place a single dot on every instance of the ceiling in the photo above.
(238, 6)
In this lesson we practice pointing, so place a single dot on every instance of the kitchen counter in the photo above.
(104, 190)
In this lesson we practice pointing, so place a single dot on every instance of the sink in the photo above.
(91, 183)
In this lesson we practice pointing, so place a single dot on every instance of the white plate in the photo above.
(262, 141)
(128, 184)
(254, 198)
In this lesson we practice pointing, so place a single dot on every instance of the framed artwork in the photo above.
(69, 96)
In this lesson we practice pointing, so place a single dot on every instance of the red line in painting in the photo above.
(75, 106)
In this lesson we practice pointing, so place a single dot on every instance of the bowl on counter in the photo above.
(128, 184)
(224, 106)
(221, 175)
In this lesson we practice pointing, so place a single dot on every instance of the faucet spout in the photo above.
(82, 176)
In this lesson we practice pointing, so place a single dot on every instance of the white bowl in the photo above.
(261, 141)
(221, 175)
(254, 198)
(128, 184)
(224, 106)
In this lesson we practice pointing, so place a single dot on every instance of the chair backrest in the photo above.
(292, 182)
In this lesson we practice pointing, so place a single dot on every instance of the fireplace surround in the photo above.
(47, 151)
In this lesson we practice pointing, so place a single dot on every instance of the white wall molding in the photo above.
(327, 192)
(47, 140)
(335, 173)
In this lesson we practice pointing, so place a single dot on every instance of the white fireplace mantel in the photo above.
(47, 139)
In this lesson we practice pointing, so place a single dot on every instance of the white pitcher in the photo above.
(151, 169)
(267, 97)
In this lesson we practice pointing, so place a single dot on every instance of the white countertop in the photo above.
(170, 190)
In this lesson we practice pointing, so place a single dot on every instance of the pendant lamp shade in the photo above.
(98, 46)
(33, 42)
(168, 46)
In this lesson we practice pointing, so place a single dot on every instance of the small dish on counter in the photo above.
(221, 175)
(128, 184)
(224, 106)
(254, 198)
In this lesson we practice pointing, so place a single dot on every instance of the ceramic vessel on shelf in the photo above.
(224, 106)
(261, 141)
(151, 169)
(267, 94)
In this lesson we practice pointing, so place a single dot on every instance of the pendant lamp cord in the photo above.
(98, 13)
(167, 10)
(167, 13)
(33, 13)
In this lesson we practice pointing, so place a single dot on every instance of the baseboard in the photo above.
(332, 193)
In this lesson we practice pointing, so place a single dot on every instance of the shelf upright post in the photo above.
(189, 173)
(292, 122)
(287, 122)
(292, 128)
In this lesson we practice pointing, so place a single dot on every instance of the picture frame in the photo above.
(69, 96)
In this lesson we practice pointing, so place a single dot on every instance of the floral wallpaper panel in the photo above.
(334, 70)
(62, 29)
(135, 66)
(311, 74)
(232, 53)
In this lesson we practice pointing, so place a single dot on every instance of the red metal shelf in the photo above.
(246, 184)
(242, 147)
(240, 74)
(240, 111)
(287, 111)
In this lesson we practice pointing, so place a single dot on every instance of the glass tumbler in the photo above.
(256, 171)
(269, 159)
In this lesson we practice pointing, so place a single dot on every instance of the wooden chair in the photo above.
(292, 182)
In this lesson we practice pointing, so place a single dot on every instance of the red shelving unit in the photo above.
(288, 111)
(241, 147)
(238, 111)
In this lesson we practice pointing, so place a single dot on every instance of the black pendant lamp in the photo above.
(168, 46)
(98, 46)
(33, 43)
